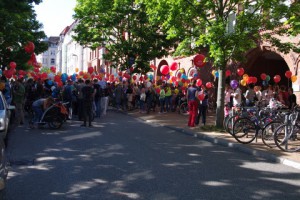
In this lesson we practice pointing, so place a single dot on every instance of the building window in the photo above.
(231, 22)
(52, 61)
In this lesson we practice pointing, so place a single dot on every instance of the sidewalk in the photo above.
(173, 120)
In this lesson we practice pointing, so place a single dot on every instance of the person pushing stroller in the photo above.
(38, 107)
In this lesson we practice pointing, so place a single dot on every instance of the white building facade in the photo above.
(48, 58)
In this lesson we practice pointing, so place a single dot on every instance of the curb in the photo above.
(268, 156)
(223, 142)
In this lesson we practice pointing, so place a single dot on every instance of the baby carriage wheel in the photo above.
(55, 123)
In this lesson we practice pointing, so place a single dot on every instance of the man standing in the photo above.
(19, 100)
(88, 94)
(67, 96)
(80, 103)
(98, 97)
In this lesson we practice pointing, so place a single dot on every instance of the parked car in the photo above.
(3, 169)
(5, 116)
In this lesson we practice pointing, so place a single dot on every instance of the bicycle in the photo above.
(246, 129)
(183, 106)
(287, 136)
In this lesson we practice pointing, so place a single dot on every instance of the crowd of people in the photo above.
(89, 99)
(282, 94)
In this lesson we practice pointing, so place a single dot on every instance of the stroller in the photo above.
(54, 116)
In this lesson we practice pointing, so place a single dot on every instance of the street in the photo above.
(122, 157)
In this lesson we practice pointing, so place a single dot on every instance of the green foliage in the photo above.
(206, 23)
(18, 26)
(227, 29)
(102, 22)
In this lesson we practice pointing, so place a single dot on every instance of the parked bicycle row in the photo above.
(275, 125)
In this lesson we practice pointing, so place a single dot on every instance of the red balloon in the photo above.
(44, 75)
(254, 80)
(263, 76)
(164, 69)
(288, 74)
(53, 69)
(125, 75)
(199, 60)
(199, 82)
(228, 73)
(201, 96)
(240, 71)
(12, 65)
(90, 70)
(277, 79)
(179, 75)
(173, 78)
(29, 47)
(208, 85)
(134, 77)
(8, 73)
(174, 66)
(21, 72)
(120, 73)
(36, 70)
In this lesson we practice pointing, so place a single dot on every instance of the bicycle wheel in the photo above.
(244, 130)
(268, 133)
(225, 121)
(230, 122)
(183, 109)
(287, 138)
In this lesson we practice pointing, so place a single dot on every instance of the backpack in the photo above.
(98, 91)
(87, 93)
(67, 93)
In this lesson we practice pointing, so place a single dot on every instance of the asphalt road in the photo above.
(125, 158)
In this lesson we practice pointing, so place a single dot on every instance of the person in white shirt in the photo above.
(237, 97)
(268, 93)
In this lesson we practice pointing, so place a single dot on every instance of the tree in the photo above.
(123, 27)
(227, 28)
(18, 27)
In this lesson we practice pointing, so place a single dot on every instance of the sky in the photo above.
(55, 15)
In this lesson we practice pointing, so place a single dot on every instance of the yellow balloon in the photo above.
(243, 82)
(213, 72)
(294, 78)
(176, 91)
(245, 76)
(182, 70)
(171, 73)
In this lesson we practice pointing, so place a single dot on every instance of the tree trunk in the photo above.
(220, 99)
